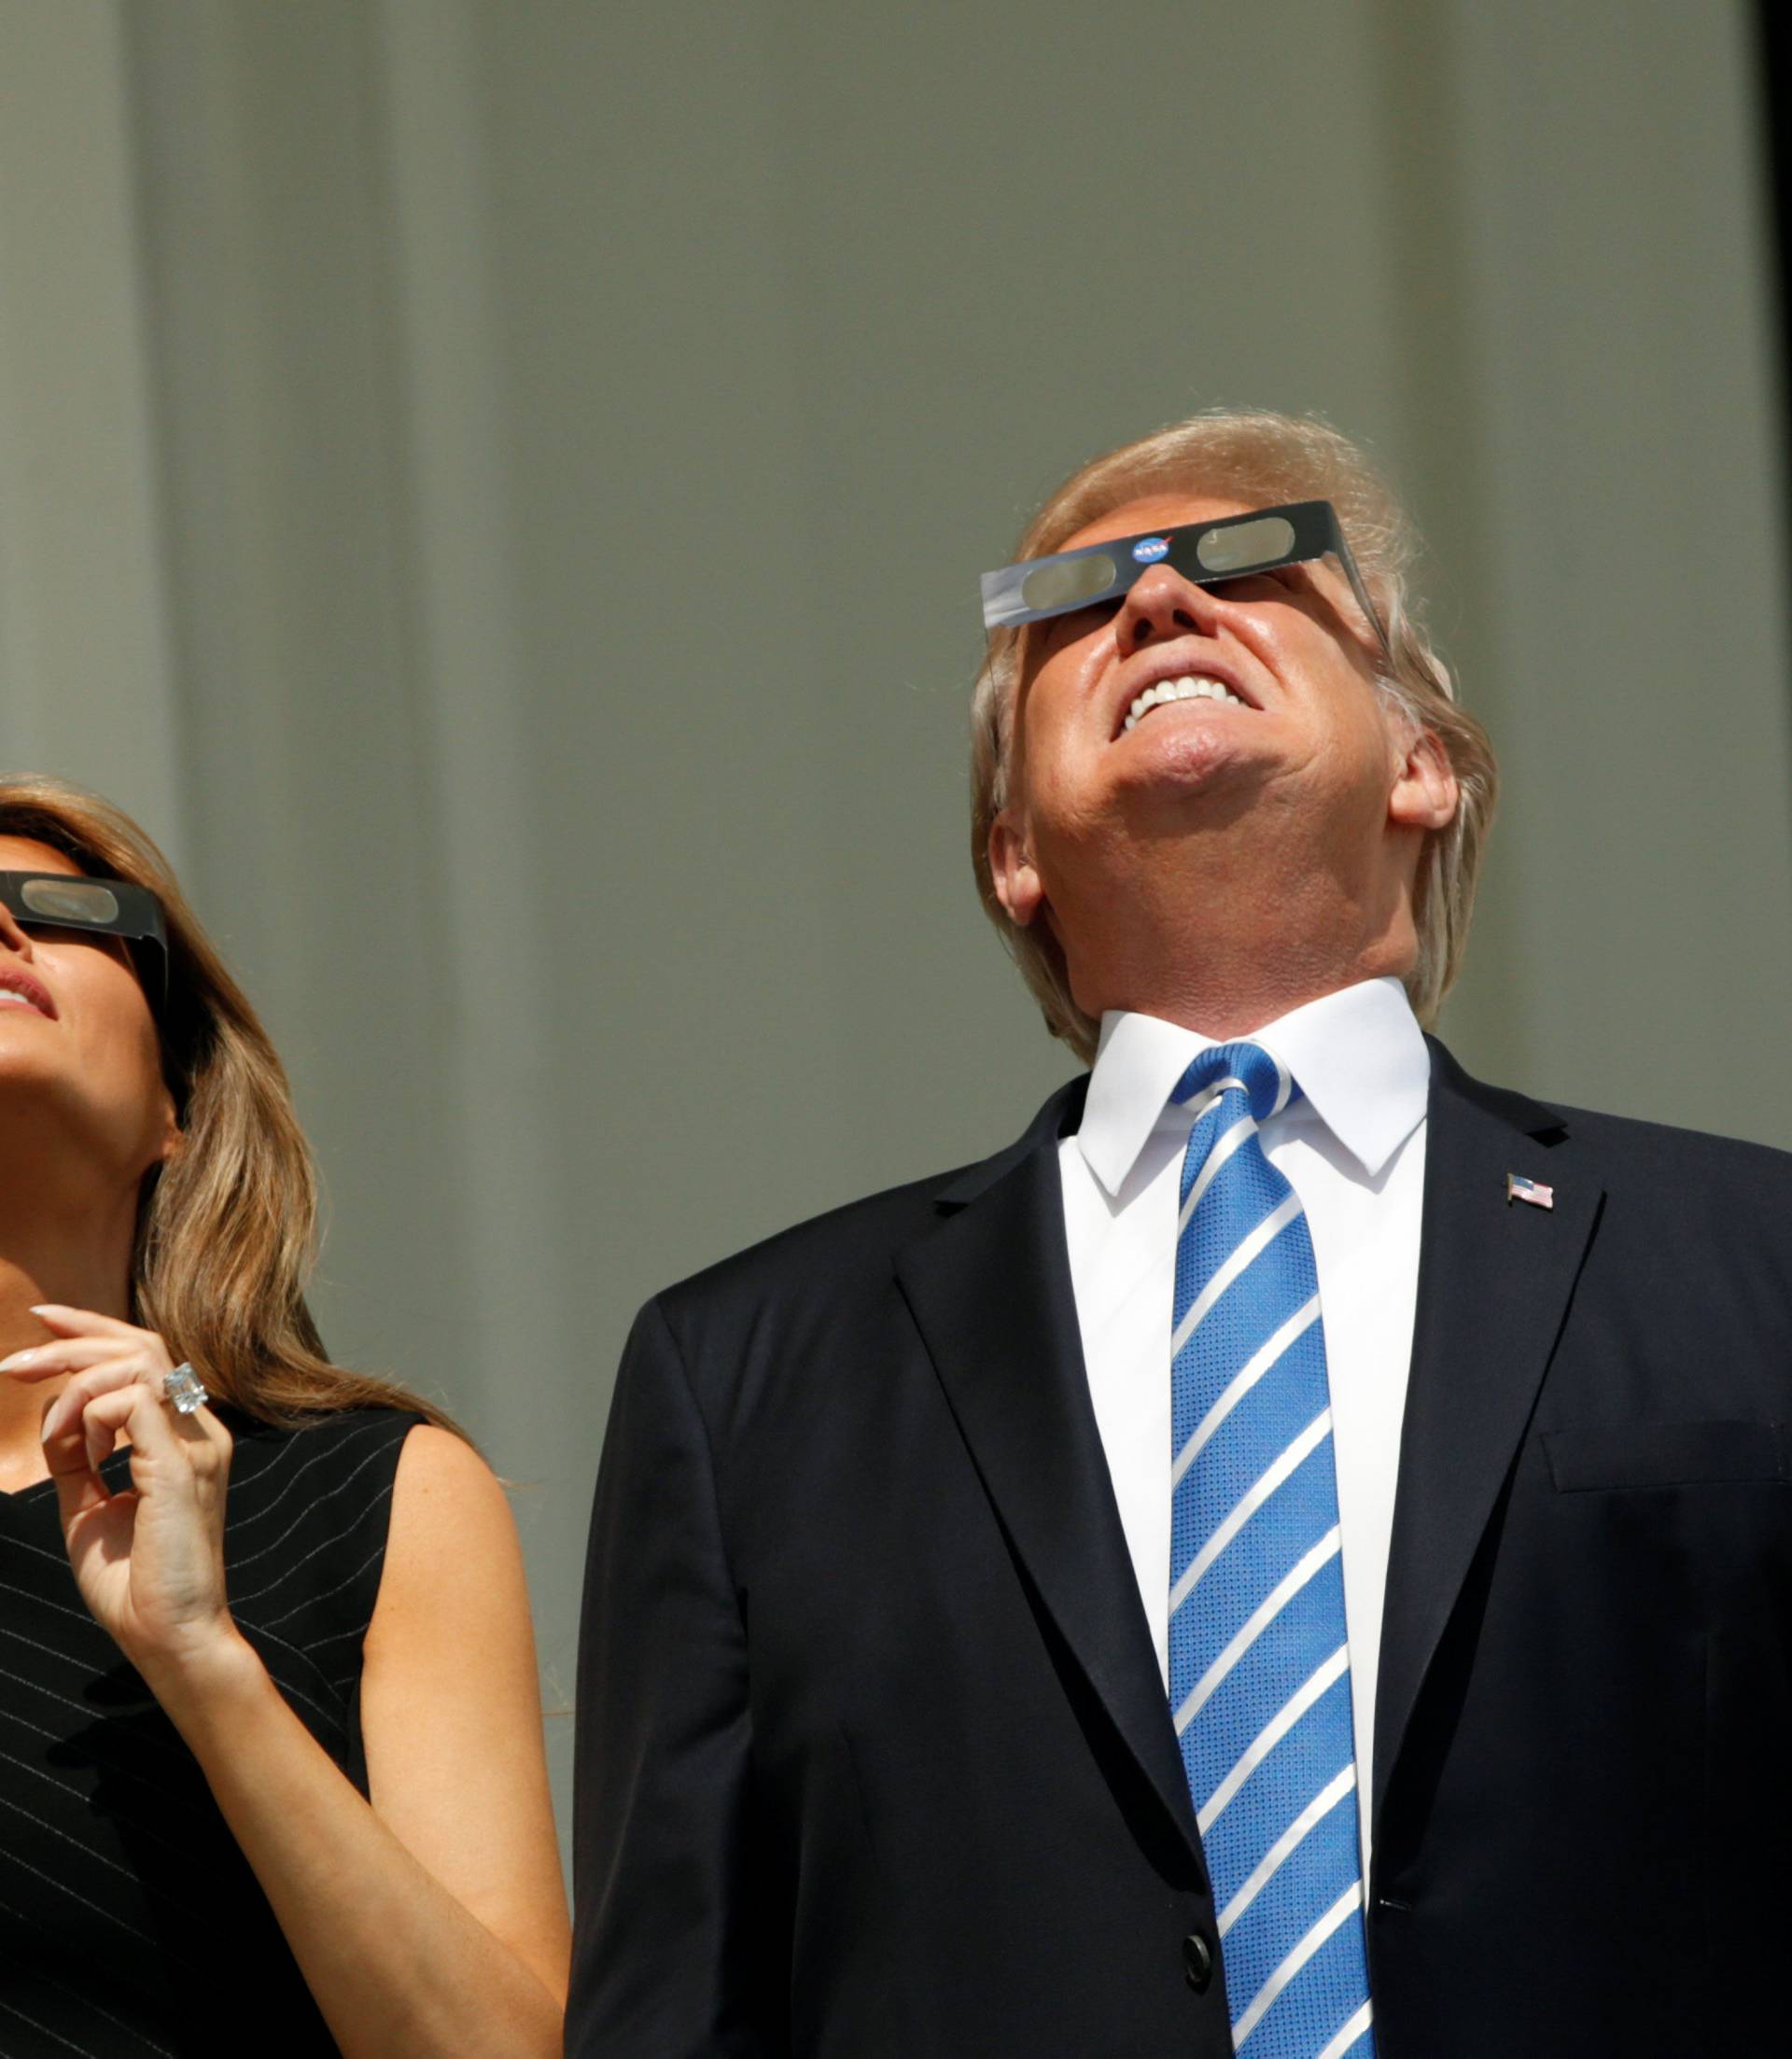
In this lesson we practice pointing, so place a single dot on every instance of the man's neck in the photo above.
(1223, 993)
(1212, 951)
(1225, 1010)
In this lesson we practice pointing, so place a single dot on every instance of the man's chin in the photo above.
(1190, 765)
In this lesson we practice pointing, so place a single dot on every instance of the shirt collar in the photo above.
(1358, 1054)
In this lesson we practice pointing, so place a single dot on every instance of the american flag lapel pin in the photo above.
(1534, 1191)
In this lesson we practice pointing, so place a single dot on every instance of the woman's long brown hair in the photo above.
(227, 1230)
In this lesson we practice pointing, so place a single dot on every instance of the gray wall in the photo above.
(499, 488)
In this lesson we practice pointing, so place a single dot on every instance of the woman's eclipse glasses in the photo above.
(101, 907)
(1206, 554)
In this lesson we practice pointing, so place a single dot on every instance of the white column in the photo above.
(525, 1367)
(86, 682)
(1624, 605)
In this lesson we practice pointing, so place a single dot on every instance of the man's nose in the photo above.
(1161, 605)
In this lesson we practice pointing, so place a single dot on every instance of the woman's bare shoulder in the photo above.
(452, 1556)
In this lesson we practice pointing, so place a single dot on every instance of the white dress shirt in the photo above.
(1352, 1147)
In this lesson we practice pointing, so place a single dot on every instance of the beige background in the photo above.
(499, 487)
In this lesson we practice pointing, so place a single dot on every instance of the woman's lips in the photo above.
(19, 990)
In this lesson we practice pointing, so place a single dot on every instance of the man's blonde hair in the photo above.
(1259, 458)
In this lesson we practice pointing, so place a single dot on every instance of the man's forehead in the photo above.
(1162, 510)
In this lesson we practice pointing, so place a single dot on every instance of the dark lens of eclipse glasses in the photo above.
(1247, 546)
(83, 903)
(1063, 583)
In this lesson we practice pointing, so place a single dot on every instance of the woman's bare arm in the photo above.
(433, 1922)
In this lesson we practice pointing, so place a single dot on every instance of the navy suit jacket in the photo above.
(873, 1754)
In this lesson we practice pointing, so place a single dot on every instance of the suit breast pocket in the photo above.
(1594, 1457)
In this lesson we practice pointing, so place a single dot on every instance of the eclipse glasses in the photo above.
(100, 907)
(1207, 553)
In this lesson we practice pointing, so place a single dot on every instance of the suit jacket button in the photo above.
(1198, 1961)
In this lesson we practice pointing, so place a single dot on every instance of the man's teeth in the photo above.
(1179, 690)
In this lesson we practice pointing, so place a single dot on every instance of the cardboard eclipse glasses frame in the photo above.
(1206, 554)
(102, 907)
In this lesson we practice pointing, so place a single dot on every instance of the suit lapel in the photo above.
(990, 1291)
(1495, 1281)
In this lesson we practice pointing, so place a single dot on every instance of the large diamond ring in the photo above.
(183, 1389)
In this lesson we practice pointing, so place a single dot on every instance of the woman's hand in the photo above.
(148, 1559)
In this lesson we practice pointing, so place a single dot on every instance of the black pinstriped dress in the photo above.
(130, 1923)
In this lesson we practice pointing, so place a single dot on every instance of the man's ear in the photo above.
(1424, 792)
(1012, 872)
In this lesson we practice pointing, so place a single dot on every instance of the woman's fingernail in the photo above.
(17, 1359)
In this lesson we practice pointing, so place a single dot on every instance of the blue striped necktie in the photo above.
(1259, 1667)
